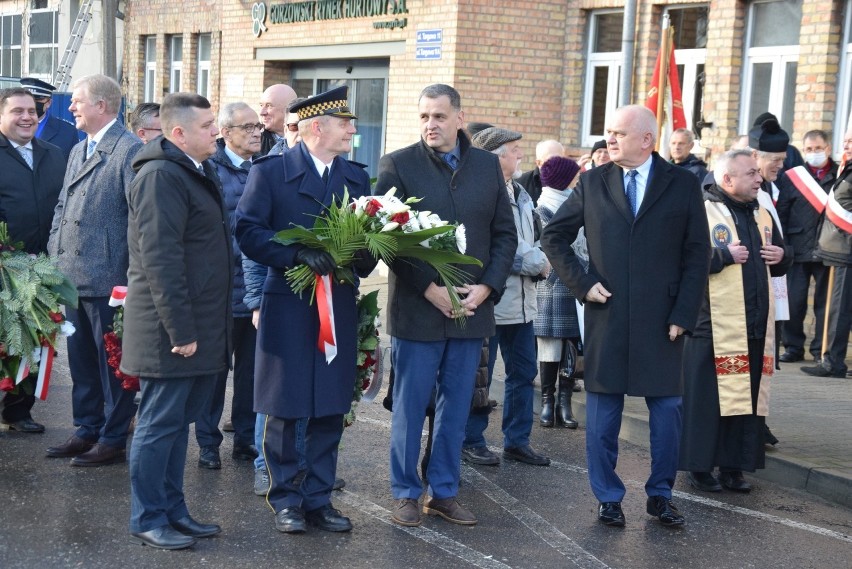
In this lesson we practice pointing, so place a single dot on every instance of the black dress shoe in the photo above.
(790, 356)
(208, 457)
(704, 481)
(527, 455)
(100, 455)
(244, 452)
(74, 446)
(165, 537)
(665, 510)
(190, 527)
(734, 481)
(609, 513)
(480, 455)
(339, 483)
(820, 371)
(290, 520)
(328, 519)
(26, 425)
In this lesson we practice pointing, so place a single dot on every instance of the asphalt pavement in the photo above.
(53, 515)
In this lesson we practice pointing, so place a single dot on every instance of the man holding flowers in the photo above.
(295, 378)
(433, 344)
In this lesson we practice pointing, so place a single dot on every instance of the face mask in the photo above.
(39, 109)
(815, 159)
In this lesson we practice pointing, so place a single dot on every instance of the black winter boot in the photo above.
(564, 416)
(547, 372)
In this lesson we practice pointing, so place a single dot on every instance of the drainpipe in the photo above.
(628, 47)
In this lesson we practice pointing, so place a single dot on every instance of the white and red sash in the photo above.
(808, 187)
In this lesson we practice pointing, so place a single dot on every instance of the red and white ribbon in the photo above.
(327, 341)
(839, 216)
(44, 370)
(808, 187)
(119, 293)
(23, 369)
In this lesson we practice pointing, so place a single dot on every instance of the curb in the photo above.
(827, 483)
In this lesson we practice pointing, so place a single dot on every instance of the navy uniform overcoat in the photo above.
(292, 378)
(655, 266)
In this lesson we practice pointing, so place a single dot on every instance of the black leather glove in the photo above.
(364, 262)
(317, 260)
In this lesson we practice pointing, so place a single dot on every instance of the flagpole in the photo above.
(665, 45)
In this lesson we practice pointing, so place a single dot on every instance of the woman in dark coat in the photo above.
(556, 323)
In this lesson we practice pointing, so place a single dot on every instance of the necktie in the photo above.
(26, 154)
(451, 160)
(90, 148)
(201, 169)
(632, 191)
(246, 165)
(325, 175)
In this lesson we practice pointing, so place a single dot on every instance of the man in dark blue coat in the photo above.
(293, 379)
(240, 141)
(29, 191)
(51, 129)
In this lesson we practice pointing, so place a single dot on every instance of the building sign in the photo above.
(428, 44)
(319, 10)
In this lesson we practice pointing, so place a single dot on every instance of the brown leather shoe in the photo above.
(74, 446)
(100, 455)
(450, 510)
(406, 513)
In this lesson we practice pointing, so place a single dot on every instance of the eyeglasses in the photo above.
(292, 126)
(154, 129)
(249, 127)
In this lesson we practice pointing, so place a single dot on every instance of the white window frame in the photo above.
(779, 56)
(203, 87)
(690, 59)
(150, 69)
(613, 61)
(54, 46)
(843, 118)
(175, 65)
(14, 48)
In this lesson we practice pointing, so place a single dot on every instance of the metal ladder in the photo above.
(62, 77)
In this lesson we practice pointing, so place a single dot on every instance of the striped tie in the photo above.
(26, 154)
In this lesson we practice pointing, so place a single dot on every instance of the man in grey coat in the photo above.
(178, 312)
(89, 242)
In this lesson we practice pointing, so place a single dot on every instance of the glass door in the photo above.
(367, 82)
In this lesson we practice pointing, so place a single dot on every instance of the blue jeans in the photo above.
(419, 367)
(517, 345)
(260, 425)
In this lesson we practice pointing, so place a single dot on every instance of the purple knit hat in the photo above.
(557, 172)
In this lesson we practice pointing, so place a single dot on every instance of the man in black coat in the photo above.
(648, 256)
(29, 189)
(725, 404)
(178, 312)
(834, 247)
(432, 351)
(801, 222)
(274, 103)
(50, 128)
(680, 147)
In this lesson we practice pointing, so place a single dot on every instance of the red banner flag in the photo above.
(674, 117)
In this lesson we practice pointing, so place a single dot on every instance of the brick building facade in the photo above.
(547, 68)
